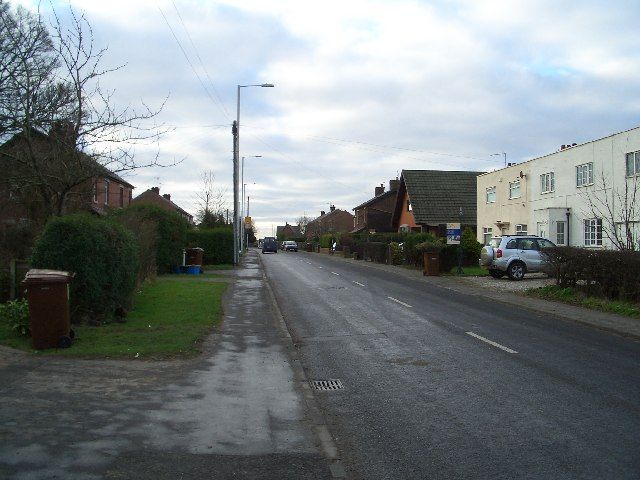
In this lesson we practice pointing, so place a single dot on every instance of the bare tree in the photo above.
(302, 223)
(211, 202)
(64, 127)
(619, 210)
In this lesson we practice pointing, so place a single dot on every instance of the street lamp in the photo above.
(242, 246)
(236, 158)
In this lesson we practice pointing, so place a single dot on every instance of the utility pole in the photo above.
(234, 131)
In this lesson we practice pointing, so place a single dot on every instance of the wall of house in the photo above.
(119, 195)
(406, 216)
(544, 211)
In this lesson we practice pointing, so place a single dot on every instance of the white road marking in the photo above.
(335, 273)
(486, 340)
(398, 301)
(358, 283)
(319, 267)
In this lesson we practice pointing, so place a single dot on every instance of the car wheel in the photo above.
(516, 271)
(496, 273)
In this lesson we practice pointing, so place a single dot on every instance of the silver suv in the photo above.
(514, 255)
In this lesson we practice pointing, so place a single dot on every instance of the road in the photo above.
(443, 385)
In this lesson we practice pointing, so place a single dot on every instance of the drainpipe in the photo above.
(568, 229)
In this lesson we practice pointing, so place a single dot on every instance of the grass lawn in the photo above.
(474, 271)
(169, 319)
(222, 266)
(573, 297)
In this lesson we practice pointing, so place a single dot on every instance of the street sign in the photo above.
(247, 221)
(453, 233)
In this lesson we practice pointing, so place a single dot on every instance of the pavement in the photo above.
(510, 292)
(243, 409)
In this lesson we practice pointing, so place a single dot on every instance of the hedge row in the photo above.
(103, 255)
(216, 242)
(607, 273)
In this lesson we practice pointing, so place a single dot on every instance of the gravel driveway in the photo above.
(530, 280)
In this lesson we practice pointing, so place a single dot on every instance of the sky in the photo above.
(362, 89)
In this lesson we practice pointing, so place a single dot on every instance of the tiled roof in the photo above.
(437, 196)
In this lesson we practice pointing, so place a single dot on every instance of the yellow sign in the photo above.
(247, 220)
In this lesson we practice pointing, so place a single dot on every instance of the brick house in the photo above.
(375, 214)
(336, 221)
(287, 232)
(429, 199)
(153, 197)
(87, 185)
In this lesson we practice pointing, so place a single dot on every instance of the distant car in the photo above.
(290, 246)
(514, 255)
(269, 244)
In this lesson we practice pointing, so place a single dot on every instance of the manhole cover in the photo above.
(327, 385)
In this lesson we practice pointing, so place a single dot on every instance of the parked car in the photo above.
(269, 244)
(514, 255)
(290, 246)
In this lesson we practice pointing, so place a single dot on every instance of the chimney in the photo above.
(321, 213)
(562, 147)
(379, 190)
(167, 196)
(332, 208)
(156, 190)
(393, 185)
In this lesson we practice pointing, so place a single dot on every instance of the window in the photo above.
(409, 206)
(106, 192)
(95, 191)
(592, 232)
(542, 244)
(547, 182)
(633, 164)
(511, 244)
(584, 174)
(542, 229)
(527, 244)
(491, 195)
(560, 232)
(521, 229)
(514, 189)
(487, 233)
(121, 196)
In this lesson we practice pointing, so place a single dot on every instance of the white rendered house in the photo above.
(584, 195)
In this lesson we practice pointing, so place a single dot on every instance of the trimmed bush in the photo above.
(162, 235)
(103, 255)
(216, 242)
(411, 255)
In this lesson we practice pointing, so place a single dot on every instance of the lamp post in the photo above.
(242, 245)
(236, 158)
(460, 272)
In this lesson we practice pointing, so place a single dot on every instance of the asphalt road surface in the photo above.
(442, 385)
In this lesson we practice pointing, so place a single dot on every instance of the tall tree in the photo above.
(211, 202)
(65, 128)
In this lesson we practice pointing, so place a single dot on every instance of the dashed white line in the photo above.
(335, 273)
(319, 267)
(486, 340)
(358, 283)
(398, 301)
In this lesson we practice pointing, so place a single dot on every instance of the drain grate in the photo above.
(327, 385)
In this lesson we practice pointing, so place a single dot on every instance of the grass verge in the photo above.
(169, 320)
(473, 271)
(222, 266)
(575, 297)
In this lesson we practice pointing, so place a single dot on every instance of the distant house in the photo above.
(287, 232)
(87, 185)
(153, 197)
(375, 214)
(429, 199)
(336, 221)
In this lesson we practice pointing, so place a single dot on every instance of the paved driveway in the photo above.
(235, 412)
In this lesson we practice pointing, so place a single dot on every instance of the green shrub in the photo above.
(326, 240)
(16, 314)
(411, 255)
(470, 244)
(162, 235)
(217, 244)
(103, 255)
(397, 256)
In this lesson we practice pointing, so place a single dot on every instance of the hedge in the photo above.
(162, 235)
(607, 273)
(216, 242)
(102, 254)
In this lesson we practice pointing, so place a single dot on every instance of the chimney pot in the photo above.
(167, 196)
(379, 190)
(321, 212)
(332, 208)
(562, 147)
(393, 185)
(156, 190)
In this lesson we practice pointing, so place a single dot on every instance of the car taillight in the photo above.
(498, 253)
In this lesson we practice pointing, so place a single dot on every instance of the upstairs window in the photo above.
(514, 189)
(633, 164)
(106, 191)
(547, 182)
(491, 195)
(95, 191)
(584, 174)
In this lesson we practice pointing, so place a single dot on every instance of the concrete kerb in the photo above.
(318, 421)
(609, 322)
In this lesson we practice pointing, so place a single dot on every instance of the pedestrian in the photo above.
(333, 247)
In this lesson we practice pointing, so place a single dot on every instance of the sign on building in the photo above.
(453, 233)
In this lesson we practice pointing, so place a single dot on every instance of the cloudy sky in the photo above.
(363, 88)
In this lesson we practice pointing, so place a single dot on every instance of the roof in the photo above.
(151, 193)
(436, 196)
(376, 199)
(330, 214)
(294, 228)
